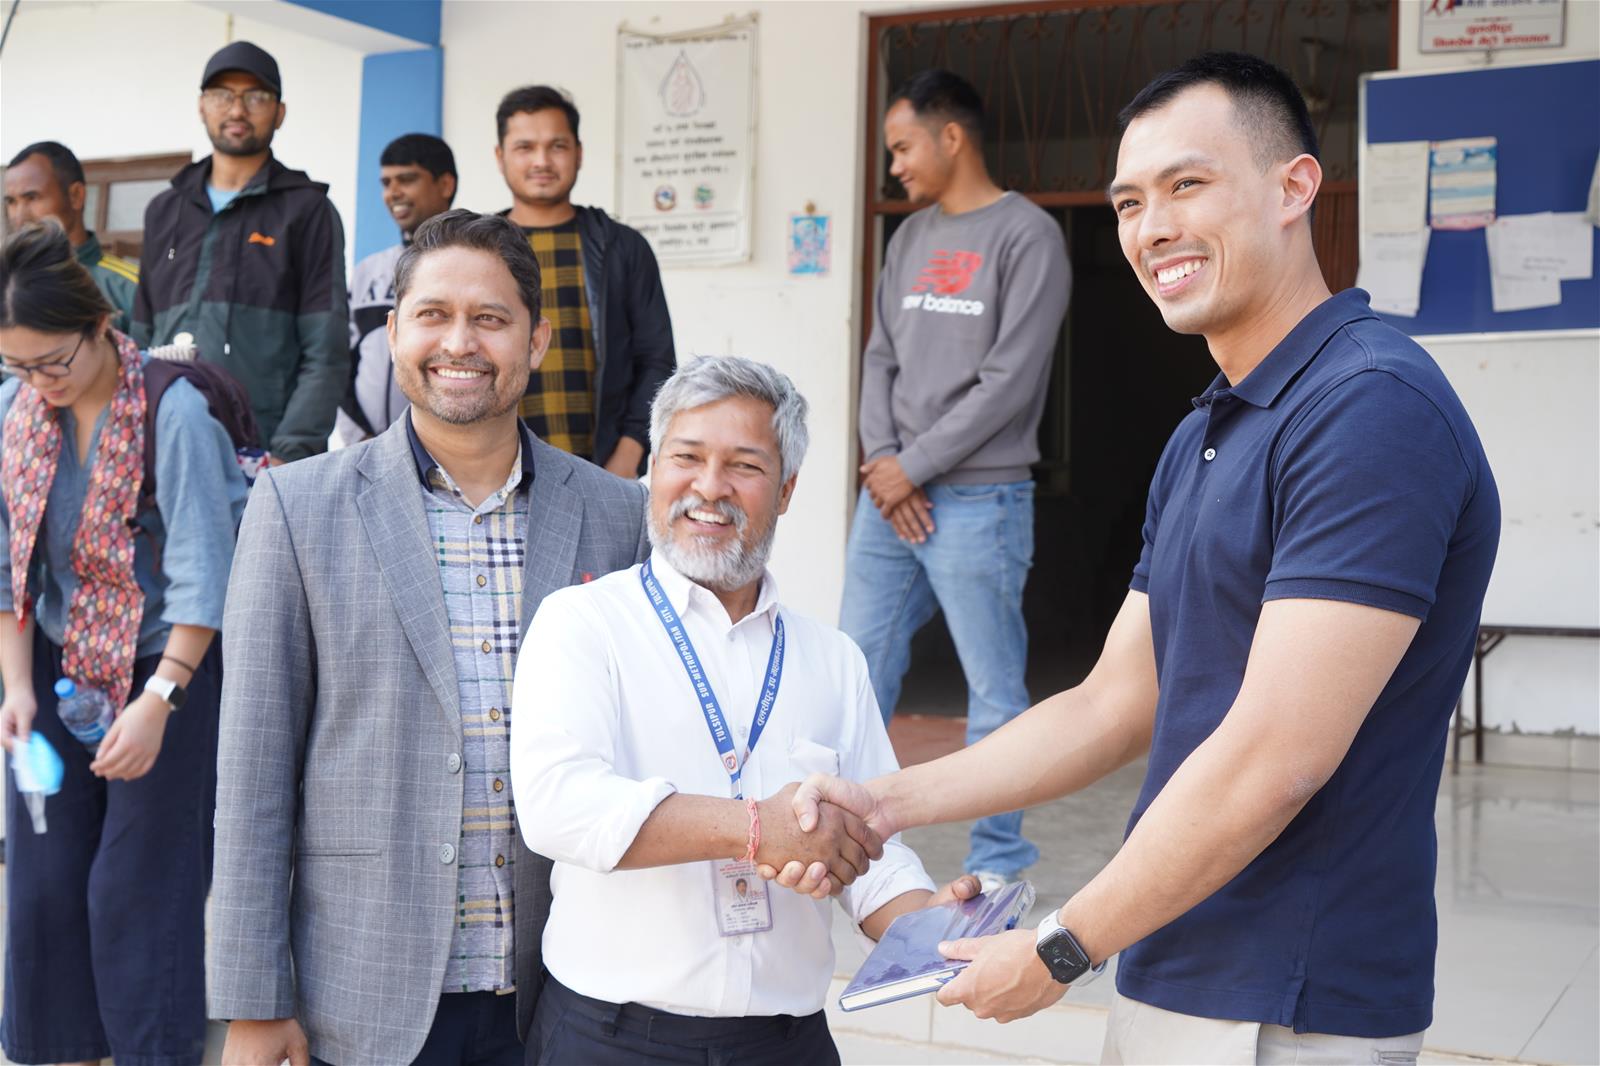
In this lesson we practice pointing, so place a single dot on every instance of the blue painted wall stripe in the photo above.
(401, 92)
(415, 20)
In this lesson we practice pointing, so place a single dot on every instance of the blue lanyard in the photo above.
(702, 687)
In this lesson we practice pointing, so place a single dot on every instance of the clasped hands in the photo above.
(902, 504)
(1004, 979)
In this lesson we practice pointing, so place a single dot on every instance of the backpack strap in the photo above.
(159, 374)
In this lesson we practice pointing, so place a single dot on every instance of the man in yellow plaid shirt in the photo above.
(611, 335)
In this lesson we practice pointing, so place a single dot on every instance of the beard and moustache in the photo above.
(459, 410)
(720, 567)
(248, 145)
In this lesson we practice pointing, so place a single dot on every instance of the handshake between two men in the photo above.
(841, 826)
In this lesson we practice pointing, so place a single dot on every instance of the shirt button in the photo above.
(499, 785)
(499, 860)
(447, 854)
(494, 714)
(477, 519)
(485, 646)
(482, 581)
(1210, 454)
(452, 763)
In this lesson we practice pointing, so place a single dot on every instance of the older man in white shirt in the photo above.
(648, 707)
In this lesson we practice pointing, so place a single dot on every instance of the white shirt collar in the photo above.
(685, 595)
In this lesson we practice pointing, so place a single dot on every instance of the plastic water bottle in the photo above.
(86, 712)
(37, 769)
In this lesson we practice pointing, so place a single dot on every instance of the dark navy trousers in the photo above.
(573, 1030)
(105, 912)
(469, 1029)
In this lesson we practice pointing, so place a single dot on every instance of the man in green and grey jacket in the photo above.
(244, 258)
(45, 180)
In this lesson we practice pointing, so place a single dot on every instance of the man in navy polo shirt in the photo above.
(1317, 542)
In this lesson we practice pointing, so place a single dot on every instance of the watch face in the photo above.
(1063, 957)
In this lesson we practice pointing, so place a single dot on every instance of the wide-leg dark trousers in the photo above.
(105, 912)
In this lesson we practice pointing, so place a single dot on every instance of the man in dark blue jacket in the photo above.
(611, 341)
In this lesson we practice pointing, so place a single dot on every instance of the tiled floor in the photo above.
(1519, 922)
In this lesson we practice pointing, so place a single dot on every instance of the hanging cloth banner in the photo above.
(686, 141)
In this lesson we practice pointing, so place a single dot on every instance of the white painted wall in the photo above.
(142, 97)
(1534, 403)
(811, 64)
(1534, 400)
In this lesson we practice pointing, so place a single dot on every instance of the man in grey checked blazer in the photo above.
(337, 915)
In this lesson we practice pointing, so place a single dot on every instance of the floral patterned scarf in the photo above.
(103, 619)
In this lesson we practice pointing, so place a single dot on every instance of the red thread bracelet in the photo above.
(753, 841)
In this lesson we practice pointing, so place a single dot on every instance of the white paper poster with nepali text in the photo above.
(1491, 25)
(685, 141)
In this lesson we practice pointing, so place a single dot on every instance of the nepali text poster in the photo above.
(685, 141)
(1481, 25)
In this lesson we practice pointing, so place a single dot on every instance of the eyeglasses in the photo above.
(54, 369)
(223, 99)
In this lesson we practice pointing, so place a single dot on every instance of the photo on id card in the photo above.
(741, 898)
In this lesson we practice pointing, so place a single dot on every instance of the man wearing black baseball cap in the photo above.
(244, 259)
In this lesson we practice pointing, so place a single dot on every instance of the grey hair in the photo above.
(717, 377)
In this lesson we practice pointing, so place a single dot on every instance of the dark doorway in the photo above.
(1121, 384)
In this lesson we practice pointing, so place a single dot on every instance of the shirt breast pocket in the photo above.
(809, 757)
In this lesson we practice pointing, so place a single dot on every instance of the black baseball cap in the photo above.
(250, 58)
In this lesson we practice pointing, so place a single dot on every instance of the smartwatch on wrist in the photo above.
(1060, 951)
(171, 693)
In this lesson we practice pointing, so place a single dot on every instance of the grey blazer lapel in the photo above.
(555, 521)
(391, 511)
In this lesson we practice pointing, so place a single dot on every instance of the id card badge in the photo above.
(741, 898)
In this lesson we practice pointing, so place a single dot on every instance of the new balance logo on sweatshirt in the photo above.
(947, 273)
(969, 308)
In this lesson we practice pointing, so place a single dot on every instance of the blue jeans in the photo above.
(974, 566)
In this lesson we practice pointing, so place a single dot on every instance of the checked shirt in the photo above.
(480, 552)
(559, 404)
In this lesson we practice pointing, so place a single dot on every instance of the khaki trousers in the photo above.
(1137, 1033)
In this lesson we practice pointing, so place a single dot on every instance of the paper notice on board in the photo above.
(1549, 244)
(1394, 188)
(1594, 195)
(1461, 183)
(1508, 292)
(1391, 271)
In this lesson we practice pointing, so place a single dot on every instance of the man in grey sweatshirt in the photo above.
(953, 383)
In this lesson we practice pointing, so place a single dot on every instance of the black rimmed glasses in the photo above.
(220, 99)
(54, 369)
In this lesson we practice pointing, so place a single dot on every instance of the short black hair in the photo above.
(43, 287)
(421, 150)
(460, 228)
(531, 98)
(1265, 99)
(945, 97)
(65, 165)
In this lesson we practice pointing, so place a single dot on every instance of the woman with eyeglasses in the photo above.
(105, 909)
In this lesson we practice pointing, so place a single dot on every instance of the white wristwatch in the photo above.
(1062, 955)
(171, 693)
